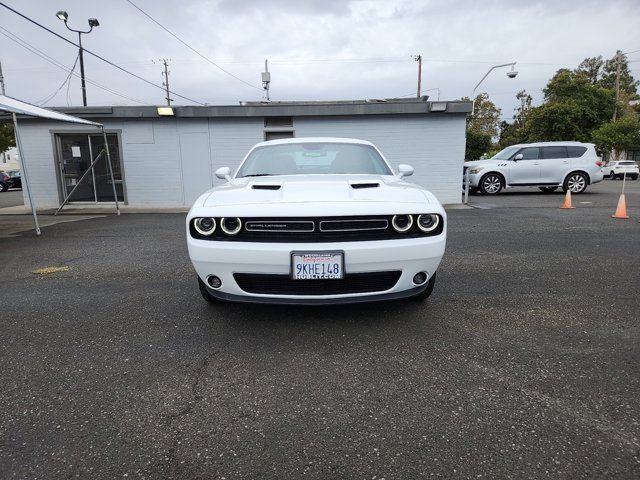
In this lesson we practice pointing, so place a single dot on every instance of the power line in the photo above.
(49, 97)
(190, 47)
(24, 44)
(96, 55)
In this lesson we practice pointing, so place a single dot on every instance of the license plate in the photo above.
(317, 265)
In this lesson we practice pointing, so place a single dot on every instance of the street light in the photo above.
(511, 74)
(93, 22)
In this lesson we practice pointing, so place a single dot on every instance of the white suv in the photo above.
(546, 165)
(620, 168)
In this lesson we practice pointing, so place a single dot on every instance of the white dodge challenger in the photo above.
(316, 221)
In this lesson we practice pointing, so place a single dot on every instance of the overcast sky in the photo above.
(317, 49)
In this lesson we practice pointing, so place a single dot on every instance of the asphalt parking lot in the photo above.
(525, 362)
(11, 198)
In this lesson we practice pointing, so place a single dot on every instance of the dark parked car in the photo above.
(10, 179)
(15, 178)
(5, 181)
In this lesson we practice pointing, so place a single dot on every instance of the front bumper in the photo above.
(223, 259)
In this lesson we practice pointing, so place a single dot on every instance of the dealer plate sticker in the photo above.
(317, 265)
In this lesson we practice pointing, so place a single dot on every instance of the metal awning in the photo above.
(18, 107)
(13, 105)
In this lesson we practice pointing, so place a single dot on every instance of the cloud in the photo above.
(329, 49)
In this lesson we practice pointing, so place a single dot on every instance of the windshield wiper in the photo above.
(258, 175)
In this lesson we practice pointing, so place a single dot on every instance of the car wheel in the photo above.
(575, 183)
(634, 177)
(4, 187)
(612, 176)
(548, 189)
(491, 184)
(427, 292)
(205, 293)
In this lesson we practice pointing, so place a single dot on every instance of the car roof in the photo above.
(284, 141)
(552, 144)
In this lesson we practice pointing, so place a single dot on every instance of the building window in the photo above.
(278, 127)
(278, 122)
(76, 151)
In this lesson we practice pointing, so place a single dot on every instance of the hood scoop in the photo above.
(364, 185)
(265, 186)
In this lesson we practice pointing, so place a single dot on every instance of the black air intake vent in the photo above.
(365, 185)
(266, 187)
(268, 284)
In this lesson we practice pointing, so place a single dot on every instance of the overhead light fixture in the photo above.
(438, 107)
(93, 22)
(165, 111)
(62, 15)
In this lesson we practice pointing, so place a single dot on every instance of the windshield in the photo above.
(506, 154)
(313, 158)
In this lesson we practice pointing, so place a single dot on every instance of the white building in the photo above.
(9, 160)
(168, 161)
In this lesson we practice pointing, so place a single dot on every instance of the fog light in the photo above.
(419, 278)
(214, 282)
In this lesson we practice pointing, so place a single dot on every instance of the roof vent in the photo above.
(365, 185)
(264, 186)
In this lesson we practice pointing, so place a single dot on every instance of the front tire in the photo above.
(634, 177)
(575, 182)
(548, 189)
(205, 293)
(427, 292)
(491, 184)
(612, 176)
(3, 187)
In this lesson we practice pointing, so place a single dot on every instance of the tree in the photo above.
(592, 68)
(523, 110)
(512, 133)
(628, 84)
(573, 109)
(485, 117)
(477, 144)
(618, 135)
(7, 138)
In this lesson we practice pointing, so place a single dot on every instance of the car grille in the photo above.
(268, 284)
(317, 229)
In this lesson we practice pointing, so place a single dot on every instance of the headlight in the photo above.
(231, 225)
(402, 223)
(204, 225)
(428, 222)
(475, 170)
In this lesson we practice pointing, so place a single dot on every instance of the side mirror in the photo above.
(224, 173)
(405, 170)
(518, 157)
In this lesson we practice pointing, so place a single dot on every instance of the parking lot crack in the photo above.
(195, 396)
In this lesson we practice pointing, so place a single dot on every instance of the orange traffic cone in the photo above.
(567, 200)
(621, 211)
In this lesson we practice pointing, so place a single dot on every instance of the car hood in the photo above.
(475, 163)
(315, 189)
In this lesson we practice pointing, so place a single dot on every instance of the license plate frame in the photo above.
(320, 253)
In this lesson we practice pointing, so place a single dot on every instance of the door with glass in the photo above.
(75, 154)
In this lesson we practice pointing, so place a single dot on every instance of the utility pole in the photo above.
(618, 68)
(418, 58)
(166, 80)
(266, 80)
